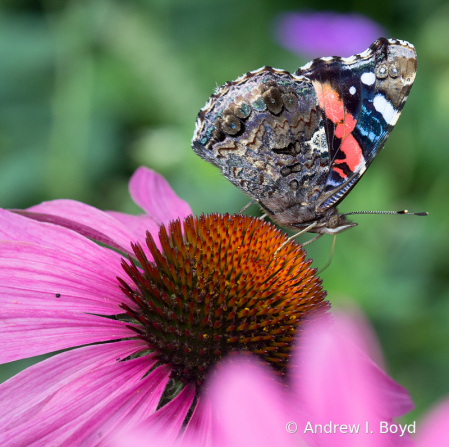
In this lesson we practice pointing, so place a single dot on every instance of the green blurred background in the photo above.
(90, 90)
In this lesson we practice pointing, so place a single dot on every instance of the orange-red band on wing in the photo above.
(346, 127)
(339, 172)
(352, 151)
(332, 104)
(330, 101)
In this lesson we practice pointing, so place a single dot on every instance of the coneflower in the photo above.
(148, 314)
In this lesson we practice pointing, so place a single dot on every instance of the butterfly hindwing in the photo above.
(362, 98)
(265, 131)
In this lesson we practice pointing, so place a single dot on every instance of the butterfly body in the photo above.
(298, 143)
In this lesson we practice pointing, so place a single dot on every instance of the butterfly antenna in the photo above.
(387, 212)
(330, 257)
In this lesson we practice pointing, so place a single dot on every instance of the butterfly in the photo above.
(298, 143)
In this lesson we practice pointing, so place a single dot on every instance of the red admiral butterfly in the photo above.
(298, 143)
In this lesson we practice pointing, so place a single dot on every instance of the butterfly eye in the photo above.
(382, 71)
(333, 222)
(394, 73)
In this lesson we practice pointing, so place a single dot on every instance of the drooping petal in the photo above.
(63, 281)
(338, 384)
(97, 400)
(155, 196)
(42, 332)
(21, 229)
(86, 220)
(22, 396)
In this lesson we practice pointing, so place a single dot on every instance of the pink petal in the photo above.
(48, 331)
(433, 430)
(155, 196)
(338, 383)
(197, 434)
(139, 225)
(357, 329)
(126, 410)
(81, 283)
(27, 299)
(98, 400)
(85, 220)
(133, 439)
(248, 408)
(81, 229)
(23, 395)
(361, 332)
(18, 228)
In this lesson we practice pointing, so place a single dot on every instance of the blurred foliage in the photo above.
(89, 90)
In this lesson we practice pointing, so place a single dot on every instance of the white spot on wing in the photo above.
(352, 90)
(384, 107)
(368, 78)
(395, 119)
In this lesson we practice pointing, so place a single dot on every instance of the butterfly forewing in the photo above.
(362, 98)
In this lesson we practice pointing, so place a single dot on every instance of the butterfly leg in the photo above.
(247, 206)
(296, 235)
(330, 258)
(311, 240)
